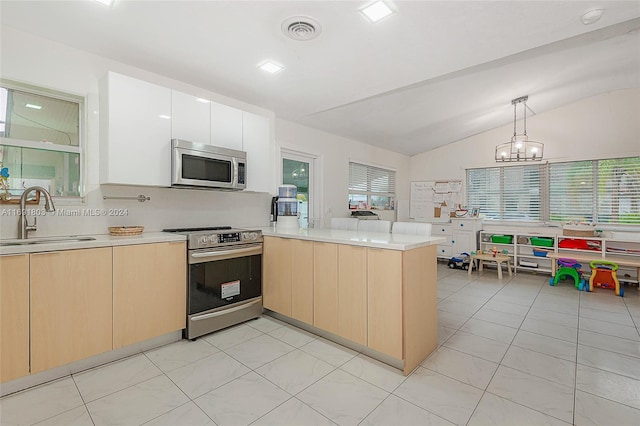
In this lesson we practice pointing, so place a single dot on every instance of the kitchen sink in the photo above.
(51, 240)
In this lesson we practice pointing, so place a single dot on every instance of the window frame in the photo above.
(80, 149)
(369, 192)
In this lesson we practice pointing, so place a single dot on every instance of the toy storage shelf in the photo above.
(528, 251)
(626, 253)
(531, 248)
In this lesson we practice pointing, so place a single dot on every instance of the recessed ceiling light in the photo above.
(592, 16)
(33, 106)
(203, 100)
(270, 67)
(166, 117)
(105, 2)
(376, 11)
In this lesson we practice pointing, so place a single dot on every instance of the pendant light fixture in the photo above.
(520, 148)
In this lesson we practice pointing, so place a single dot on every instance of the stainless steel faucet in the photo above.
(23, 224)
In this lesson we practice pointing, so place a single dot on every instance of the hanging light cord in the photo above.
(515, 105)
(525, 117)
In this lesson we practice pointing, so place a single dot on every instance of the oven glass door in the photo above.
(219, 278)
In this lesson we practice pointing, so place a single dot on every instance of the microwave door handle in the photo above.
(235, 173)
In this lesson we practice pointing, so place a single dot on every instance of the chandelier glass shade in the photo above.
(520, 148)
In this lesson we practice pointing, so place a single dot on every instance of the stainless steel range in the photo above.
(225, 277)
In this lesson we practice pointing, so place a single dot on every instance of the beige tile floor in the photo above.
(511, 352)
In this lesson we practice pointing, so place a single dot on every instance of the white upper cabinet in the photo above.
(138, 120)
(256, 141)
(135, 132)
(190, 118)
(226, 126)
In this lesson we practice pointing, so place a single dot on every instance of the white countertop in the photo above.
(100, 241)
(366, 239)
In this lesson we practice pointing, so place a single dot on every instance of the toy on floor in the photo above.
(568, 268)
(603, 275)
(461, 262)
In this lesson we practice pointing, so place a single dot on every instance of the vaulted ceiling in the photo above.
(430, 74)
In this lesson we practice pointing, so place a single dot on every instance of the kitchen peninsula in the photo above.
(374, 292)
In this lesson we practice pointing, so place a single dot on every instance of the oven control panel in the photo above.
(205, 239)
(230, 237)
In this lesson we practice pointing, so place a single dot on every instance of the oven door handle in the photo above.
(225, 311)
(205, 256)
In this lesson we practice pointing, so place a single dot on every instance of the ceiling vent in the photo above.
(301, 28)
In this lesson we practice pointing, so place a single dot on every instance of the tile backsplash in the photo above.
(168, 208)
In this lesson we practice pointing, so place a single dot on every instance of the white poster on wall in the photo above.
(434, 201)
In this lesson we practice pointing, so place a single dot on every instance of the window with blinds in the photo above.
(483, 191)
(371, 186)
(602, 191)
(571, 193)
(506, 193)
(618, 190)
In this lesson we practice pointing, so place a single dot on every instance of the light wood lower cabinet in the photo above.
(302, 281)
(288, 277)
(276, 289)
(14, 316)
(384, 272)
(420, 305)
(352, 293)
(149, 291)
(71, 306)
(325, 286)
(383, 299)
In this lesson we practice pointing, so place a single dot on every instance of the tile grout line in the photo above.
(502, 359)
(575, 379)
(251, 370)
(176, 385)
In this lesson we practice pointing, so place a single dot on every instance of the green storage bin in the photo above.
(502, 239)
(542, 241)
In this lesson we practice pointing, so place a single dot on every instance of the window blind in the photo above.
(483, 191)
(602, 191)
(521, 192)
(571, 195)
(371, 180)
(618, 190)
(506, 193)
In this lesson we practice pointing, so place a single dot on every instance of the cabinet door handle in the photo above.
(45, 252)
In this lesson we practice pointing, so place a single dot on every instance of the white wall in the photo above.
(603, 126)
(334, 153)
(41, 62)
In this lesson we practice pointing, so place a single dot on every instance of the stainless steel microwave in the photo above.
(200, 165)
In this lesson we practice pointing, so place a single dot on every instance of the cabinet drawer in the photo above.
(443, 250)
(440, 229)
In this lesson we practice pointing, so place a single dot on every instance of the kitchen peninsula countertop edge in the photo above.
(388, 241)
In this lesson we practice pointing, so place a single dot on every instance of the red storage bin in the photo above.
(575, 244)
